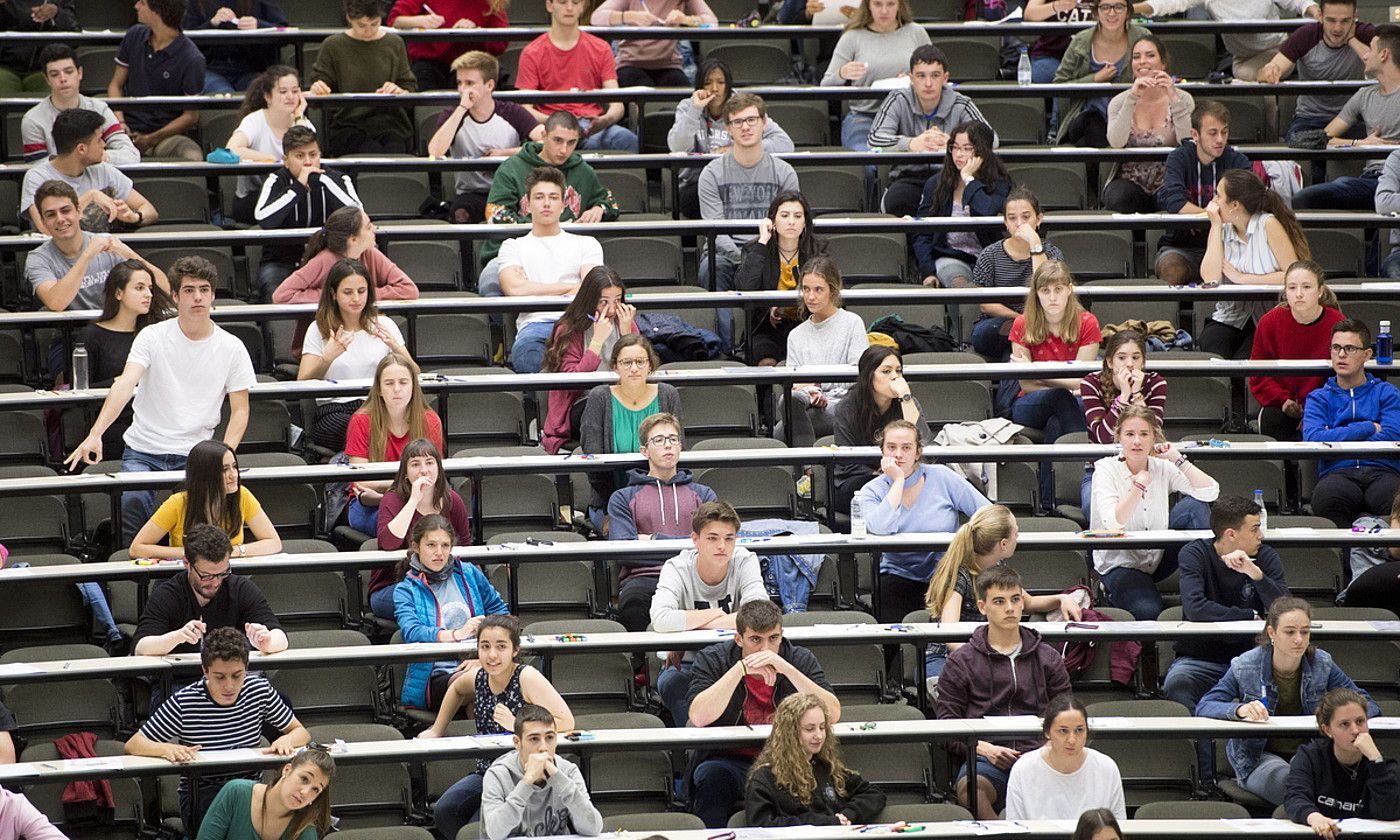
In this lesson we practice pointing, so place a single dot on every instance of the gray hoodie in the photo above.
(680, 588)
(900, 119)
(694, 132)
(512, 808)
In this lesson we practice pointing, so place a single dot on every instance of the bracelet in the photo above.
(1180, 462)
(1140, 488)
(743, 667)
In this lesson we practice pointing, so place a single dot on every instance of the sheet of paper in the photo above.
(19, 669)
(981, 829)
(1253, 826)
(1360, 826)
(105, 763)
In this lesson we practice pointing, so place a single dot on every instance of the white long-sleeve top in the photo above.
(1242, 46)
(1112, 482)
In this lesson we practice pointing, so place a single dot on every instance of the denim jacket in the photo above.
(1251, 671)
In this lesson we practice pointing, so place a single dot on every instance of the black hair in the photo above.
(208, 543)
(1229, 512)
(117, 280)
(928, 54)
(55, 52)
(223, 644)
(170, 12)
(1354, 325)
(74, 126)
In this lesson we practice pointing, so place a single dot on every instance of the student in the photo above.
(1097, 824)
(438, 599)
(434, 62)
(1130, 494)
(157, 59)
(20, 819)
(700, 129)
(651, 62)
(910, 496)
(64, 79)
(879, 396)
(567, 58)
(1002, 670)
(106, 195)
(742, 682)
(212, 494)
(20, 71)
(348, 341)
(273, 105)
(917, 118)
(1300, 327)
(1283, 675)
(1353, 405)
(1249, 51)
(1253, 235)
(365, 59)
(234, 66)
(297, 806)
(1047, 50)
(830, 335)
(1154, 112)
(227, 709)
(1379, 585)
(583, 341)
(1100, 53)
(1066, 776)
(1121, 383)
(799, 778)
(1388, 201)
(173, 410)
(1009, 263)
(875, 46)
(1193, 170)
(479, 126)
(1331, 49)
(1342, 775)
(702, 587)
(497, 687)
(972, 182)
(420, 489)
(772, 262)
(532, 791)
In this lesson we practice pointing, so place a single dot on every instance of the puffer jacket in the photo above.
(420, 618)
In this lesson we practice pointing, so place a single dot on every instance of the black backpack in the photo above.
(915, 338)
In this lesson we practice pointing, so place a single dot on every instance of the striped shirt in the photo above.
(1101, 419)
(1250, 254)
(998, 269)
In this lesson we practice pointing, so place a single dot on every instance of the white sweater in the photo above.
(1036, 791)
(1112, 482)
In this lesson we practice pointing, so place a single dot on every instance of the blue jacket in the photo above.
(419, 617)
(945, 494)
(1249, 672)
(980, 199)
(1333, 413)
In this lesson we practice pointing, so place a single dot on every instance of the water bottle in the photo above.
(1263, 511)
(1384, 351)
(857, 519)
(1023, 68)
(80, 368)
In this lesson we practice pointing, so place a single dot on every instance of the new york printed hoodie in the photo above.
(512, 808)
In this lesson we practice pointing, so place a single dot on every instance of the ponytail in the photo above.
(978, 536)
(1275, 204)
(1254, 195)
(335, 234)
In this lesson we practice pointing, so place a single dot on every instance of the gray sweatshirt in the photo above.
(900, 119)
(731, 191)
(887, 53)
(694, 132)
(680, 588)
(1243, 46)
(512, 808)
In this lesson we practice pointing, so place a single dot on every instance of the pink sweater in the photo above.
(304, 284)
(576, 359)
(650, 53)
(18, 818)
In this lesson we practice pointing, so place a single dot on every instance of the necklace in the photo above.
(1351, 769)
(787, 256)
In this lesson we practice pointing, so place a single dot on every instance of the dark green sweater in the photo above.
(351, 66)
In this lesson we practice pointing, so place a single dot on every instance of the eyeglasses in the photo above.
(633, 363)
(1346, 349)
(744, 122)
(664, 440)
(211, 576)
(1113, 8)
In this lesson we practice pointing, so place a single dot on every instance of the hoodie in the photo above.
(656, 506)
(505, 204)
(512, 808)
(900, 119)
(979, 682)
(1319, 783)
(1336, 414)
(680, 588)
(1188, 181)
(283, 202)
(770, 805)
(695, 133)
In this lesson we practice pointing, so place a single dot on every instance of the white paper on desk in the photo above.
(1253, 826)
(105, 763)
(993, 827)
(1355, 825)
(1386, 626)
(1383, 723)
(19, 669)
(1135, 626)
(754, 833)
(1299, 531)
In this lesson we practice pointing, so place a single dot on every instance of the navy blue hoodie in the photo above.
(1188, 181)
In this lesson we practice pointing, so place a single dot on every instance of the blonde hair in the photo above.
(863, 18)
(1051, 273)
(378, 411)
(483, 62)
(978, 536)
(784, 754)
(1139, 412)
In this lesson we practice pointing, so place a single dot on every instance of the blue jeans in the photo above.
(1057, 412)
(96, 601)
(615, 138)
(527, 354)
(363, 518)
(488, 282)
(1268, 779)
(1186, 682)
(793, 12)
(723, 281)
(855, 131)
(138, 505)
(1391, 267)
(718, 784)
(674, 686)
(992, 773)
(271, 273)
(988, 341)
(458, 805)
(381, 603)
(1353, 192)
(1086, 491)
(219, 81)
(1135, 590)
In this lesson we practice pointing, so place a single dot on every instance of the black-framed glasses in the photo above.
(1346, 349)
(211, 576)
(744, 122)
(664, 440)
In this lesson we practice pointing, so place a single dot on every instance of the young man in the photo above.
(1193, 170)
(21, 71)
(156, 58)
(916, 119)
(105, 195)
(635, 512)
(1002, 670)
(1353, 406)
(533, 791)
(741, 683)
(1387, 202)
(567, 58)
(64, 77)
(1250, 51)
(546, 261)
(1332, 49)
(225, 710)
(700, 588)
(480, 127)
(365, 59)
(185, 366)
(300, 194)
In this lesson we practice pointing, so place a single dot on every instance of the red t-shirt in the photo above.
(758, 708)
(587, 66)
(357, 437)
(1054, 348)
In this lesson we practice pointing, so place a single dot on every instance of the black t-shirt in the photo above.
(172, 604)
(107, 352)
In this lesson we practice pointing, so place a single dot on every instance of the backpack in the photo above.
(915, 338)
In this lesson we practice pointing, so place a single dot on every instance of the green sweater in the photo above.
(230, 816)
(505, 202)
(351, 66)
(1074, 70)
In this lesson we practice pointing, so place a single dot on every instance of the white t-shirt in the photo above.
(261, 138)
(1112, 482)
(180, 395)
(1036, 791)
(549, 259)
(358, 362)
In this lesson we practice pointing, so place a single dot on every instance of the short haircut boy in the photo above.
(170, 12)
(298, 136)
(204, 541)
(545, 175)
(357, 9)
(661, 418)
(223, 644)
(741, 101)
(54, 189)
(757, 615)
(55, 53)
(74, 126)
(532, 713)
(928, 54)
(1229, 512)
(564, 120)
(1210, 108)
(482, 62)
(196, 268)
(715, 511)
(998, 577)
(1352, 325)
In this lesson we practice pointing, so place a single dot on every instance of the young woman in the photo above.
(439, 599)
(1284, 675)
(365, 58)
(583, 339)
(879, 396)
(876, 46)
(785, 242)
(393, 414)
(1065, 777)
(1047, 50)
(420, 489)
(799, 778)
(234, 66)
(830, 336)
(1098, 54)
(431, 61)
(1053, 328)
(212, 495)
(295, 807)
(496, 685)
(1009, 263)
(19, 818)
(1097, 824)
(274, 103)
(1300, 327)
(972, 182)
(1253, 235)
(1379, 585)
(1153, 113)
(1121, 383)
(699, 129)
(614, 413)
(349, 338)
(651, 62)
(1131, 494)
(1343, 774)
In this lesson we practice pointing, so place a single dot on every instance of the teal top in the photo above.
(626, 424)
(230, 817)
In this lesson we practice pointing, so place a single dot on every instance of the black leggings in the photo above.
(332, 419)
(1277, 425)
(899, 597)
(1123, 196)
(1378, 586)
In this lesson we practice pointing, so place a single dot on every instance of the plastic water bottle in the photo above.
(1023, 68)
(1263, 511)
(1385, 351)
(80, 368)
(857, 519)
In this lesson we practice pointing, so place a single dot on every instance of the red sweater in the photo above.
(1280, 336)
(476, 11)
(389, 507)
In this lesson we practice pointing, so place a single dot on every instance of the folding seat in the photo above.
(1341, 251)
(399, 832)
(1095, 683)
(855, 671)
(635, 782)
(1313, 573)
(754, 491)
(1154, 769)
(1249, 122)
(628, 187)
(1373, 665)
(946, 402)
(483, 418)
(1119, 311)
(1018, 122)
(335, 695)
(1098, 254)
(98, 64)
(457, 338)
(715, 410)
(229, 282)
(37, 525)
(589, 682)
(808, 123)
(973, 59)
(320, 13)
(88, 705)
(648, 823)
(1050, 570)
(434, 264)
(903, 769)
(293, 508)
(9, 212)
(510, 502)
(1200, 404)
(177, 199)
(547, 591)
(23, 439)
(1194, 810)
(881, 257)
(48, 612)
(367, 795)
(14, 140)
(645, 260)
(752, 62)
(925, 812)
(1059, 186)
(832, 189)
(1192, 57)
(307, 601)
(702, 317)
(388, 195)
(216, 127)
(1241, 477)
(126, 818)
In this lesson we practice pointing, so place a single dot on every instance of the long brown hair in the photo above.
(378, 411)
(421, 448)
(1037, 326)
(328, 318)
(978, 536)
(1244, 186)
(578, 314)
(317, 812)
(863, 18)
(260, 90)
(785, 756)
(1325, 296)
(1107, 387)
(1277, 610)
(335, 233)
(117, 281)
(206, 502)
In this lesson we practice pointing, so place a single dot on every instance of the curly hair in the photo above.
(784, 754)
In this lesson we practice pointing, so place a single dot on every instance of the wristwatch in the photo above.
(907, 398)
(1037, 249)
